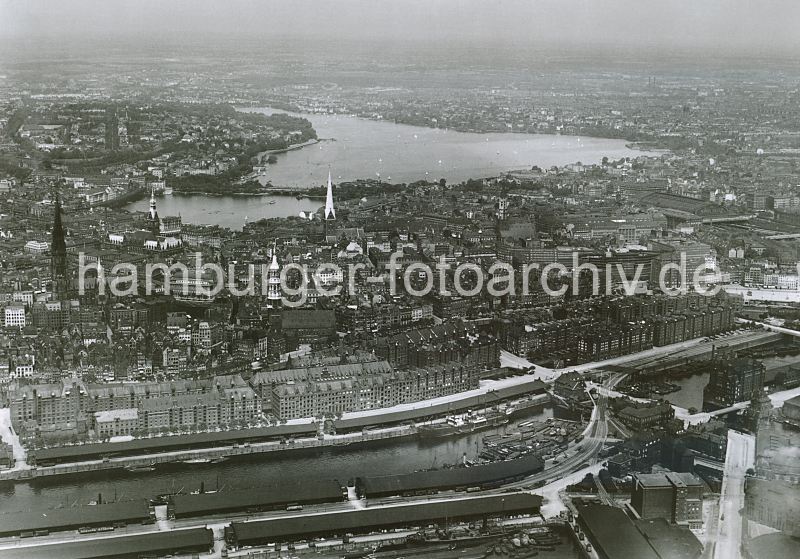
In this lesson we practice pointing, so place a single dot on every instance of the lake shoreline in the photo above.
(632, 144)
(356, 149)
(291, 147)
(403, 153)
(260, 194)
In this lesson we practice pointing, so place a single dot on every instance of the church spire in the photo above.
(274, 290)
(274, 265)
(58, 251)
(152, 216)
(153, 212)
(330, 213)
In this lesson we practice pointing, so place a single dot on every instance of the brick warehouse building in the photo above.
(676, 497)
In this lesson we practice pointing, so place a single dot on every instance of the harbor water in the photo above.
(261, 470)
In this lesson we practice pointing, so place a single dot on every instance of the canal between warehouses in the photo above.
(691, 390)
(262, 470)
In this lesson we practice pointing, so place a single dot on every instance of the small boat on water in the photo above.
(164, 498)
(203, 491)
(196, 461)
(453, 425)
(141, 469)
(271, 202)
(524, 407)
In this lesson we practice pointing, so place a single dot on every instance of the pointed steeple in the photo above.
(58, 251)
(274, 291)
(274, 265)
(153, 212)
(330, 213)
(152, 216)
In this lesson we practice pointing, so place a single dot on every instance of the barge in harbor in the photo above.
(456, 425)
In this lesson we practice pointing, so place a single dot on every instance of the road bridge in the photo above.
(728, 219)
(708, 463)
(705, 416)
(783, 236)
(772, 327)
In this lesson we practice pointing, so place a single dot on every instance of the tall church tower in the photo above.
(152, 216)
(274, 291)
(330, 212)
(58, 255)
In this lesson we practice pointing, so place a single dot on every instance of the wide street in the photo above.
(740, 456)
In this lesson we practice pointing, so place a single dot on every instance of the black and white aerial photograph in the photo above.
(399, 279)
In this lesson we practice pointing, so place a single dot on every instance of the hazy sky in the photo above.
(761, 26)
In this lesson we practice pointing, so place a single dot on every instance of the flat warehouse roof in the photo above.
(305, 492)
(117, 547)
(614, 533)
(87, 515)
(161, 443)
(286, 528)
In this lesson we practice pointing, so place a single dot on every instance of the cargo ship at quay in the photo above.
(456, 425)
